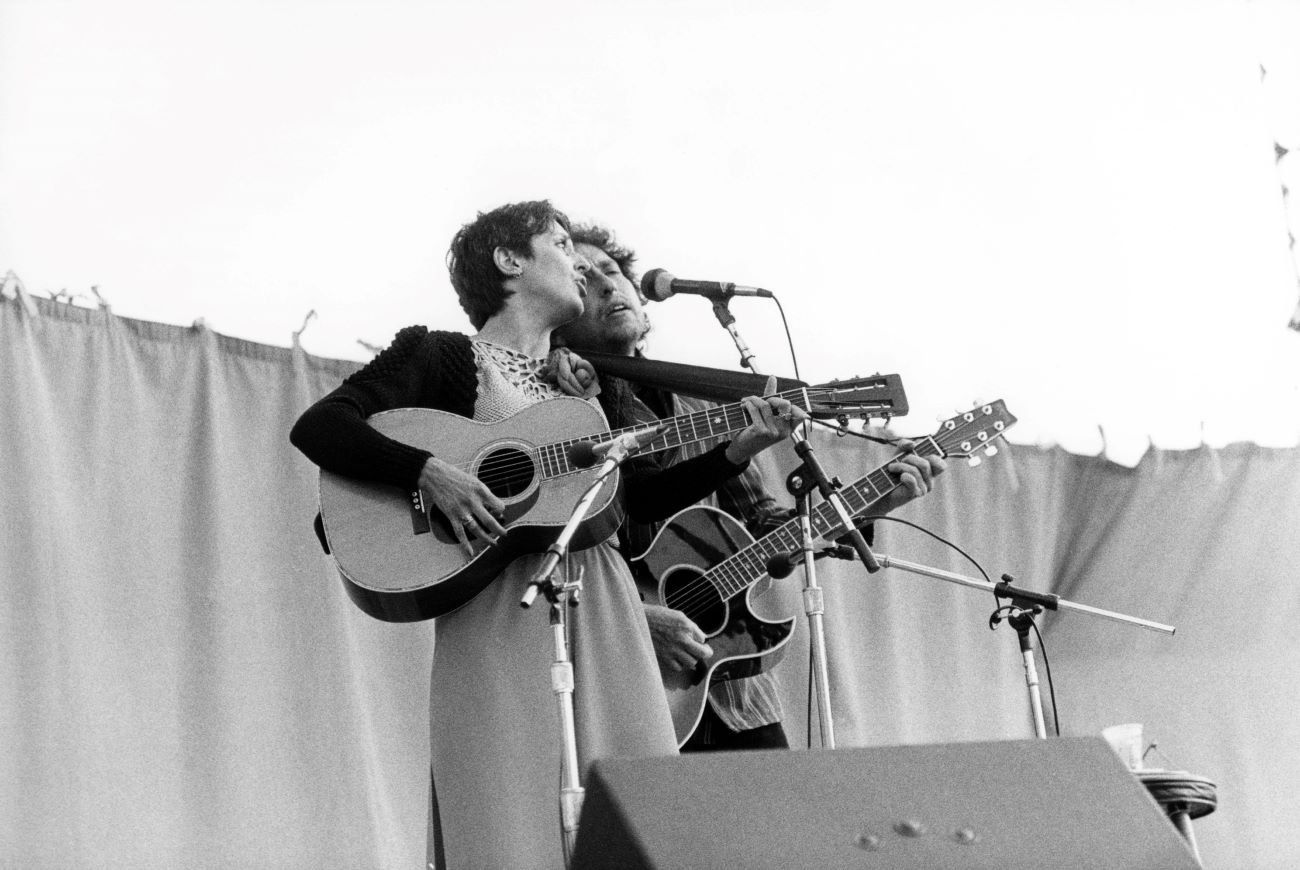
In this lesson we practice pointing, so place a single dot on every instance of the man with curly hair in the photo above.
(742, 713)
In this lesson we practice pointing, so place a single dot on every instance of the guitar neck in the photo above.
(687, 429)
(746, 567)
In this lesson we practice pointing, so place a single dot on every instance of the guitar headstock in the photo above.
(974, 430)
(875, 396)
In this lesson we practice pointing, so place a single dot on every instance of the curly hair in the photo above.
(603, 238)
(479, 284)
(600, 237)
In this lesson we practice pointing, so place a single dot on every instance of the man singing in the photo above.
(742, 713)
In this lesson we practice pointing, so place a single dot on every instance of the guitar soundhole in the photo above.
(507, 471)
(686, 591)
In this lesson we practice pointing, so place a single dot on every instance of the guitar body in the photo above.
(401, 564)
(743, 644)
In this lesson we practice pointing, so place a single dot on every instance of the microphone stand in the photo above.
(723, 313)
(814, 601)
(559, 594)
(1021, 619)
(808, 476)
(1024, 605)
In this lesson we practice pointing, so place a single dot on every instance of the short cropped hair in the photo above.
(479, 284)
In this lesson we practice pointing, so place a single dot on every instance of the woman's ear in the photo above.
(508, 262)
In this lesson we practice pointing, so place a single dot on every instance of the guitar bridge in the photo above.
(420, 524)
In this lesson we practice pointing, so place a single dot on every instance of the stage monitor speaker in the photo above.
(1065, 803)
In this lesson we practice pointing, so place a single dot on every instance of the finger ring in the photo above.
(467, 519)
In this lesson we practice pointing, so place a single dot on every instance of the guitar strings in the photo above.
(698, 593)
(500, 469)
(511, 463)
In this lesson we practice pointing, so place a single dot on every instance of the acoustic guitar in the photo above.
(705, 564)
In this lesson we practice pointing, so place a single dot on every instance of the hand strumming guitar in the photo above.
(470, 507)
(679, 643)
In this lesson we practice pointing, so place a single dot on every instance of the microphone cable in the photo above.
(996, 616)
(788, 340)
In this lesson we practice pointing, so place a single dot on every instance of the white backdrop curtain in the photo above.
(184, 683)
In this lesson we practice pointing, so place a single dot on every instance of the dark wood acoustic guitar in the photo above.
(705, 564)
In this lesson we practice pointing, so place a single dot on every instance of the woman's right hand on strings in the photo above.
(469, 506)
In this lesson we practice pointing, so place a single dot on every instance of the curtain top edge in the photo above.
(152, 330)
(166, 332)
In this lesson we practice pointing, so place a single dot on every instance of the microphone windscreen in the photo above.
(780, 565)
(657, 285)
(582, 454)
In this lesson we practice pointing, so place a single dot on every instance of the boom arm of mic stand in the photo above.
(557, 550)
(1006, 590)
(831, 493)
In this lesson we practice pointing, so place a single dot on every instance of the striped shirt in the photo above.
(751, 702)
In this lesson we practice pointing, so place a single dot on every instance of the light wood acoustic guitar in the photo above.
(705, 564)
(398, 556)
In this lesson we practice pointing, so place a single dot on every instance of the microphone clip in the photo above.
(585, 454)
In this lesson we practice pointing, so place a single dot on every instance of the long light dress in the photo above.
(495, 734)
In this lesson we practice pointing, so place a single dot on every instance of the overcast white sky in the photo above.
(1073, 206)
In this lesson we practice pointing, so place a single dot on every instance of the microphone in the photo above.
(585, 454)
(782, 564)
(657, 285)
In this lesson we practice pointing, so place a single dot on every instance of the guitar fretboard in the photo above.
(686, 429)
(742, 569)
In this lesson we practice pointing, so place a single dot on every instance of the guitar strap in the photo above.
(716, 385)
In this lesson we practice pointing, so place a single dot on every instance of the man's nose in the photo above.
(598, 284)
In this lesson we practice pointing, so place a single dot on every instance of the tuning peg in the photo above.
(973, 461)
(991, 450)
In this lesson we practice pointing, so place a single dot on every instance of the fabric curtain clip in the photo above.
(20, 292)
(298, 335)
